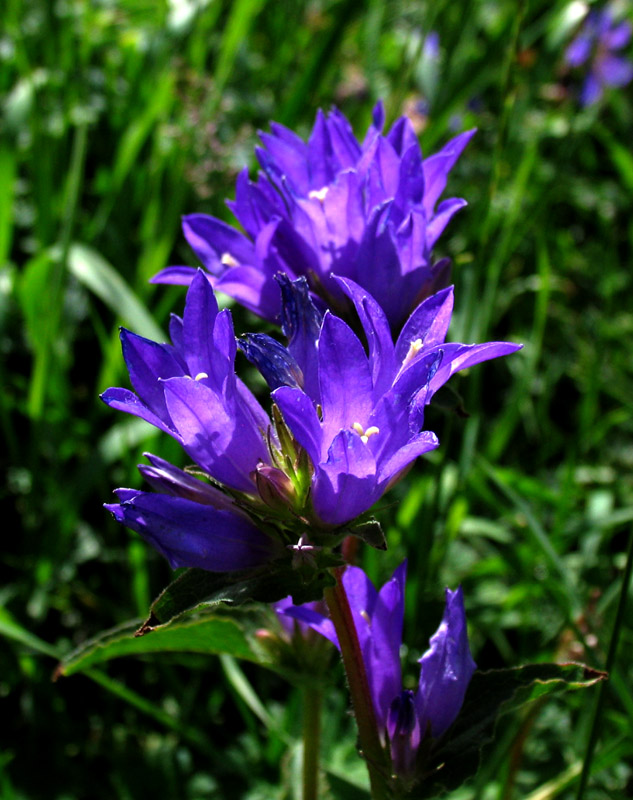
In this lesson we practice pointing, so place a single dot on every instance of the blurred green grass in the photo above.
(118, 117)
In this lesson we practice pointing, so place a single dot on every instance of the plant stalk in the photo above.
(370, 745)
(311, 742)
(611, 654)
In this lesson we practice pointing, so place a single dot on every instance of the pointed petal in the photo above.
(345, 485)
(253, 288)
(201, 310)
(344, 378)
(437, 167)
(446, 668)
(445, 212)
(301, 324)
(461, 356)
(223, 442)
(125, 400)
(146, 362)
(165, 478)
(316, 621)
(218, 245)
(176, 276)
(377, 332)
(429, 323)
(272, 359)
(301, 417)
(192, 535)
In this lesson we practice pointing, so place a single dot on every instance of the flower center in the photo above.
(414, 349)
(318, 194)
(365, 434)
(229, 261)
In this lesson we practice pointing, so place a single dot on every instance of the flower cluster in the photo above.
(350, 422)
(600, 38)
(338, 249)
(405, 718)
(332, 206)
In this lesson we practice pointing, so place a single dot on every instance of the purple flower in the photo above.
(332, 206)
(189, 389)
(359, 415)
(601, 36)
(404, 717)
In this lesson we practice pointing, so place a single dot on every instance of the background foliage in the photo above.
(120, 116)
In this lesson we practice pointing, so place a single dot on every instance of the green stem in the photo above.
(311, 741)
(370, 745)
(613, 647)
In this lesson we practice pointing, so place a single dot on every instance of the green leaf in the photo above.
(491, 694)
(102, 279)
(197, 588)
(201, 634)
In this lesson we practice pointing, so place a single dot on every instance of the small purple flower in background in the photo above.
(599, 39)
(332, 206)
(404, 717)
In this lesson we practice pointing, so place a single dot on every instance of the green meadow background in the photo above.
(117, 118)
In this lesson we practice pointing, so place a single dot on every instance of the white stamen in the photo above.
(229, 261)
(200, 376)
(414, 349)
(365, 616)
(318, 194)
(365, 434)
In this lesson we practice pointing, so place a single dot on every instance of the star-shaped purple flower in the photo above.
(332, 206)
(404, 717)
(597, 44)
(359, 415)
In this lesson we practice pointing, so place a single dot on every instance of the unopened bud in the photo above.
(275, 487)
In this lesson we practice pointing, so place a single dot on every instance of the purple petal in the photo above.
(579, 51)
(316, 621)
(192, 535)
(255, 203)
(125, 400)
(301, 324)
(618, 37)
(201, 310)
(223, 442)
(461, 356)
(177, 276)
(424, 442)
(445, 212)
(272, 359)
(446, 669)
(377, 332)
(218, 246)
(165, 478)
(301, 417)
(253, 288)
(402, 136)
(437, 167)
(428, 323)
(146, 362)
(285, 158)
(345, 485)
(613, 70)
(384, 655)
(344, 378)
(591, 90)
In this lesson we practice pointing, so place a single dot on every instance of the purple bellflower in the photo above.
(332, 206)
(405, 718)
(597, 44)
(189, 389)
(358, 414)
